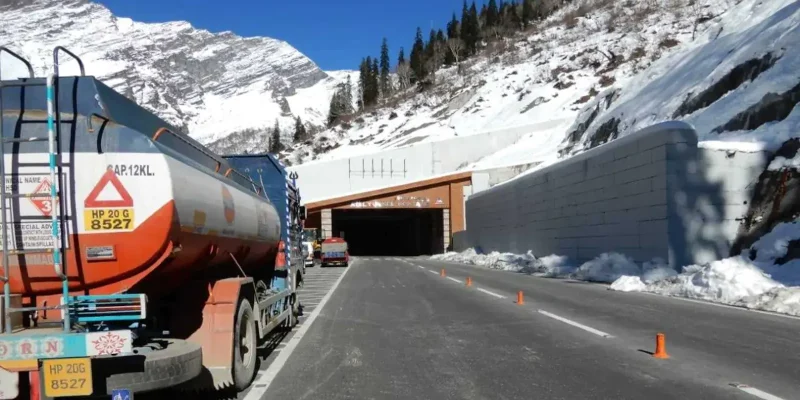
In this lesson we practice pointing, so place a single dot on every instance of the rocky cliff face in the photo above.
(210, 84)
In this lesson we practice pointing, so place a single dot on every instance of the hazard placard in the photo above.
(43, 204)
(109, 206)
(109, 178)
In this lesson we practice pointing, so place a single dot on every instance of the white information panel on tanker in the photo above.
(30, 225)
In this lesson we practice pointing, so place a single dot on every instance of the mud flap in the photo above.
(215, 335)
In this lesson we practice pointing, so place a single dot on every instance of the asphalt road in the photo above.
(395, 329)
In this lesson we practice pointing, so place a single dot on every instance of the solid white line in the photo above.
(756, 392)
(419, 266)
(491, 293)
(454, 280)
(433, 272)
(577, 325)
(265, 378)
(728, 306)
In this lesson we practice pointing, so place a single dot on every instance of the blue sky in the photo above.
(335, 34)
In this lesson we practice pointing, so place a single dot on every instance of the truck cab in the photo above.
(334, 252)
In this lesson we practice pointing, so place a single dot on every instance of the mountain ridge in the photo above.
(209, 84)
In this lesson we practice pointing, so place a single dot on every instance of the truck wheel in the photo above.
(244, 346)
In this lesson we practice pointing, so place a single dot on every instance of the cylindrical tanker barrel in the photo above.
(141, 202)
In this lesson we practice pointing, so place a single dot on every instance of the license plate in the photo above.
(67, 377)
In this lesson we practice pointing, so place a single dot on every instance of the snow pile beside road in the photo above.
(609, 267)
(735, 281)
(762, 280)
(552, 265)
(606, 268)
(759, 283)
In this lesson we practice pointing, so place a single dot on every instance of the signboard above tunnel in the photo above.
(434, 197)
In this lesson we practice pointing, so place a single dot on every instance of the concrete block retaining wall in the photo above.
(650, 194)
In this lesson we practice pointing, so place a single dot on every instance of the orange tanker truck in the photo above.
(133, 258)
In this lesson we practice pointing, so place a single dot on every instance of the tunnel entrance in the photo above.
(391, 232)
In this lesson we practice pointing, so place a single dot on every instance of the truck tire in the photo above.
(245, 345)
(178, 362)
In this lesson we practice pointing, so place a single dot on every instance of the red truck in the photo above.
(334, 252)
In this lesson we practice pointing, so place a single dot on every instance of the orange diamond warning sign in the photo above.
(43, 204)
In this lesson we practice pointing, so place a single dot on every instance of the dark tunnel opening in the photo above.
(394, 232)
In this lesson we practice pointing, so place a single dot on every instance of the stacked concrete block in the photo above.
(651, 194)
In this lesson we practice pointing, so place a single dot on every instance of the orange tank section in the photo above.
(158, 250)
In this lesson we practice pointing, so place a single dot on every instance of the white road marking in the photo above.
(728, 306)
(491, 293)
(755, 392)
(575, 324)
(454, 280)
(265, 378)
(419, 266)
(433, 272)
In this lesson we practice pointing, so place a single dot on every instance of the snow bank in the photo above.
(609, 267)
(552, 265)
(753, 279)
(605, 268)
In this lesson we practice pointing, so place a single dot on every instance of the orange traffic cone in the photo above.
(469, 281)
(442, 273)
(520, 299)
(661, 351)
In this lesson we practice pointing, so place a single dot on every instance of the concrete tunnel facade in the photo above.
(417, 218)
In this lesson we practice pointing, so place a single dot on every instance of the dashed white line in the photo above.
(756, 392)
(575, 324)
(265, 378)
(433, 272)
(454, 279)
(419, 266)
(499, 296)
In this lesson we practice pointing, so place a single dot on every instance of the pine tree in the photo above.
(430, 44)
(347, 97)
(417, 59)
(527, 13)
(386, 86)
(492, 14)
(475, 27)
(375, 83)
(299, 130)
(363, 78)
(470, 28)
(275, 145)
(466, 27)
(512, 16)
(401, 57)
(452, 28)
(367, 82)
(333, 109)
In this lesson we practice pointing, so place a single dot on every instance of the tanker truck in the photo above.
(133, 258)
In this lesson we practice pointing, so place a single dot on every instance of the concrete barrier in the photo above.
(650, 194)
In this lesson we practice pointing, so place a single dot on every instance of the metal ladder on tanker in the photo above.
(53, 122)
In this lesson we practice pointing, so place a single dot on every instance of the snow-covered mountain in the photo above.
(597, 70)
(209, 84)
